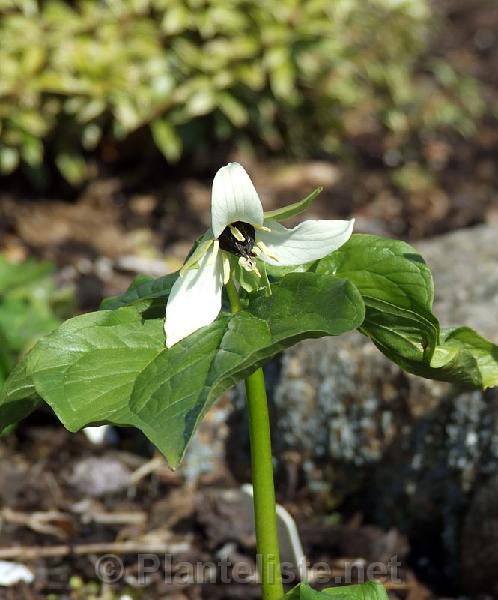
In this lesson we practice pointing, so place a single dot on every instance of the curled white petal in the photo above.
(195, 298)
(310, 240)
(234, 198)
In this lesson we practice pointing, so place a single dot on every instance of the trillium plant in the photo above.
(158, 356)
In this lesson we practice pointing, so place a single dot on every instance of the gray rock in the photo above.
(480, 540)
(405, 451)
(465, 268)
(98, 476)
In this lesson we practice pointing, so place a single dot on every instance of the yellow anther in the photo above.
(216, 249)
(249, 265)
(226, 269)
(236, 233)
(262, 228)
(264, 248)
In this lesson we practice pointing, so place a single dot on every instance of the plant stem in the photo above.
(262, 476)
(233, 296)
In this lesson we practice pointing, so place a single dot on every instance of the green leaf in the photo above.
(371, 590)
(280, 214)
(27, 299)
(18, 399)
(13, 275)
(9, 159)
(87, 368)
(387, 270)
(396, 286)
(72, 167)
(27, 311)
(304, 592)
(466, 340)
(112, 366)
(214, 359)
(234, 110)
(6, 359)
(143, 287)
(166, 139)
(462, 356)
(234, 346)
(24, 320)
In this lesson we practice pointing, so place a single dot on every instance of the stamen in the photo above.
(256, 250)
(262, 228)
(238, 238)
(216, 249)
(226, 268)
(264, 248)
(236, 233)
(249, 265)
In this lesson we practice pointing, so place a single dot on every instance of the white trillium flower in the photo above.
(239, 228)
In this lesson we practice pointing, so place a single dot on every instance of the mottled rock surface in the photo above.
(479, 550)
(406, 452)
(465, 268)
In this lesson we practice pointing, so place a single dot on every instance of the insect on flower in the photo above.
(240, 235)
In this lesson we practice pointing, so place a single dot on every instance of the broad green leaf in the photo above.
(371, 590)
(214, 359)
(304, 592)
(462, 356)
(396, 286)
(387, 270)
(112, 366)
(18, 399)
(87, 368)
(466, 340)
(280, 214)
(143, 287)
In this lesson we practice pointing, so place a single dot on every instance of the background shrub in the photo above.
(300, 76)
(30, 307)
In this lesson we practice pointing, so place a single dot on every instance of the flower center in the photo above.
(238, 238)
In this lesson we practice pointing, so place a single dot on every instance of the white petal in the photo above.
(195, 299)
(310, 240)
(234, 198)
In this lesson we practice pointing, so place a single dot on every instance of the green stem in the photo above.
(262, 476)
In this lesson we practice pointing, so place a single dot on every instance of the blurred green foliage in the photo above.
(30, 307)
(302, 76)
